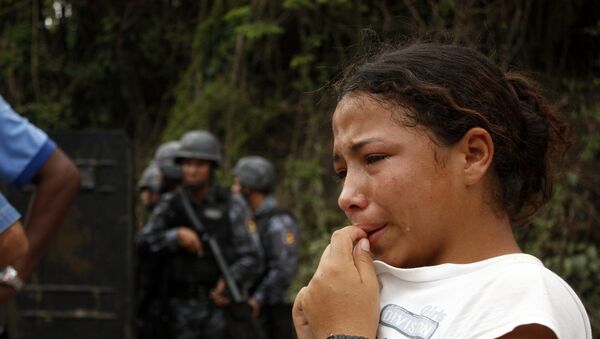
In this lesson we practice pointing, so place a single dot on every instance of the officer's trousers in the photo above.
(195, 318)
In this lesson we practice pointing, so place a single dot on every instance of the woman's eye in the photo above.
(374, 158)
(340, 175)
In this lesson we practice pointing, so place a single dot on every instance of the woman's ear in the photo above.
(478, 150)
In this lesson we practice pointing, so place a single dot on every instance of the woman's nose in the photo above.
(352, 197)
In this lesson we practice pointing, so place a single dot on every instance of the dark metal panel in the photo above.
(82, 287)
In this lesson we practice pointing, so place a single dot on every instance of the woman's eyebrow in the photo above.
(360, 144)
(355, 147)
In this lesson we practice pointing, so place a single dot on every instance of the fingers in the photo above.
(324, 256)
(219, 299)
(220, 286)
(363, 261)
(217, 294)
(344, 278)
(342, 241)
(193, 243)
(297, 312)
(303, 330)
(255, 307)
(337, 258)
(196, 246)
(189, 240)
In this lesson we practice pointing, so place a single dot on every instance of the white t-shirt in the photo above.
(486, 299)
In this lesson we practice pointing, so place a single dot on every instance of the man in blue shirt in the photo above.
(28, 155)
(13, 242)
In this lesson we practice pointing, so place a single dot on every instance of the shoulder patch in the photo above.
(251, 224)
(290, 238)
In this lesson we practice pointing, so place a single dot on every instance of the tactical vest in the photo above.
(213, 211)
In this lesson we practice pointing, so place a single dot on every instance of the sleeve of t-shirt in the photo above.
(24, 148)
(8, 214)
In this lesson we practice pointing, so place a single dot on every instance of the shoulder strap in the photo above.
(189, 211)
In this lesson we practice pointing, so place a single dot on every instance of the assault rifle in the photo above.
(207, 238)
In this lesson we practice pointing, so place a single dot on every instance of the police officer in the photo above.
(160, 178)
(170, 171)
(279, 231)
(192, 271)
(149, 187)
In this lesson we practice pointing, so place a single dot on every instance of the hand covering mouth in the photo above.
(370, 228)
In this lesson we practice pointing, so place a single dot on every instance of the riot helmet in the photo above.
(165, 159)
(150, 178)
(201, 145)
(256, 173)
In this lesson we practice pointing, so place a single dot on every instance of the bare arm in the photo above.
(531, 331)
(56, 182)
(13, 244)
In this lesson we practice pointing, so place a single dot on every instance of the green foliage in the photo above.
(257, 30)
(593, 30)
(238, 13)
(298, 4)
(256, 74)
(300, 60)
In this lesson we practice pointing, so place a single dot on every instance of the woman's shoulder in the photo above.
(490, 298)
(525, 291)
(523, 274)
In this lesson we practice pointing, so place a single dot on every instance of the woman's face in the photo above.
(397, 185)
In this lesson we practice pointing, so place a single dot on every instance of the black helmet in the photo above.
(165, 159)
(150, 178)
(256, 173)
(200, 145)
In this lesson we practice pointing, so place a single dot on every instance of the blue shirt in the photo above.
(24, 148)
(8, 214)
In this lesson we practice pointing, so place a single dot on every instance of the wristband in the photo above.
(9, 277)
(344, 336)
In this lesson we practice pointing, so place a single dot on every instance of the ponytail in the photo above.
(539, 148)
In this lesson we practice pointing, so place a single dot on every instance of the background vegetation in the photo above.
(253, 72)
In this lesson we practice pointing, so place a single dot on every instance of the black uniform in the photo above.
(150, 307)
(189, 278)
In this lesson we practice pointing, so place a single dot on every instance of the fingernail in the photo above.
(364, 245)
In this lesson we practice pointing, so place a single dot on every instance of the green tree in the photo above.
(257, 74)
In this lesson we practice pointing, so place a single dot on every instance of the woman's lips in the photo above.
(373, 231)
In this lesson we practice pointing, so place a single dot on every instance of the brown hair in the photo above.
(450, 89)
